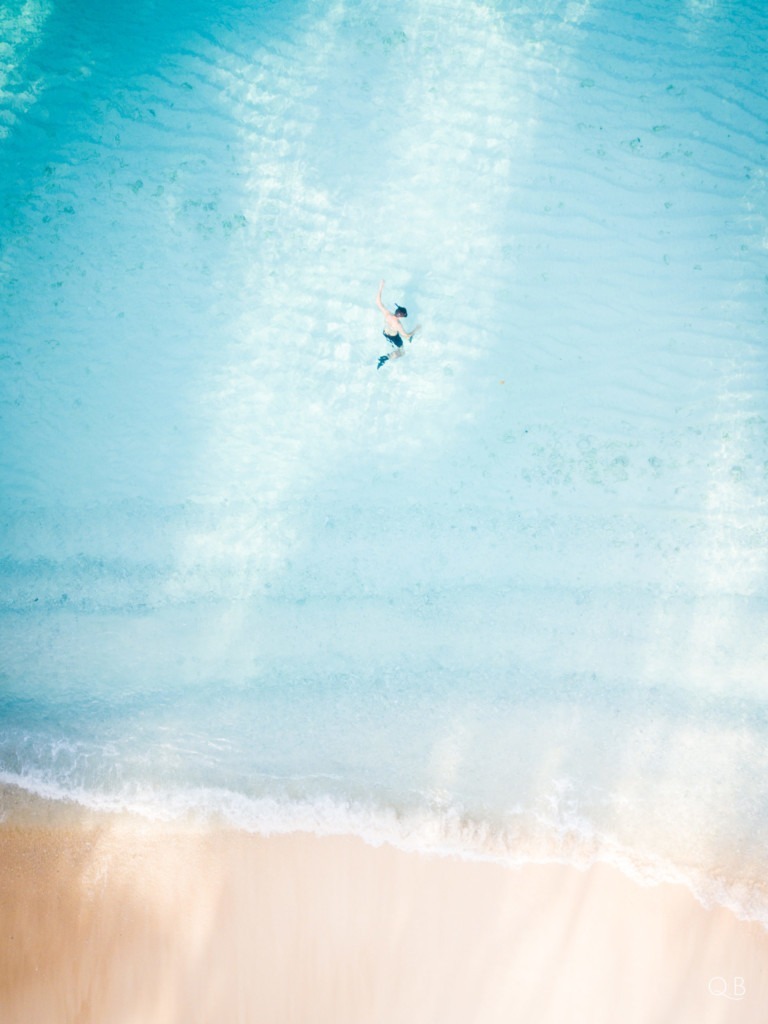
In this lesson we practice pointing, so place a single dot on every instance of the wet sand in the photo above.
(114, 920)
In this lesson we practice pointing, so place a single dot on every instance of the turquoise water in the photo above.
(506, 596)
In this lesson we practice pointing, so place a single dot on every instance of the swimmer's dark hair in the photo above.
(400, 311)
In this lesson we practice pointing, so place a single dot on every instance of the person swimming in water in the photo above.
(394, 331)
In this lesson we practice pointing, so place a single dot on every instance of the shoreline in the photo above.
(726, 884)
(110, 918)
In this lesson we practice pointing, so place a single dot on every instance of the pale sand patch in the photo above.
(112, 920)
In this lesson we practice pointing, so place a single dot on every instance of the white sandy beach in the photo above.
(114, 920)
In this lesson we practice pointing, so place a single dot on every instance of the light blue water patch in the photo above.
(507, 594)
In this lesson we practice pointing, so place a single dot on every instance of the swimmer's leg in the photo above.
(392, 355)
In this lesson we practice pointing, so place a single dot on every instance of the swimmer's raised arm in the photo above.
(379, 303)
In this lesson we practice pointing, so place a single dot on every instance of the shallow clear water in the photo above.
(507, 595)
